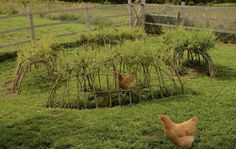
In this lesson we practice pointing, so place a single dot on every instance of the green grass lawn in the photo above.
(26, 123)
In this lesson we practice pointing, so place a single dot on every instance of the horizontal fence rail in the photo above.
(114, 16)
(198, 17)
(13, 16)
(190, 27)
(15, 44)
(14, 30)
(56, 11)
(187, 6)
(64, 10)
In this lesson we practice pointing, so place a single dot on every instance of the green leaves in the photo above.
(70, 59)
(37, 50)
(101, 38)
(180, 39)
(61, 58)
(195, 43)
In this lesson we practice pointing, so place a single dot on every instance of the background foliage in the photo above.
(155, 1)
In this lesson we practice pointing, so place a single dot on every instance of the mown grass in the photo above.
(26, 123)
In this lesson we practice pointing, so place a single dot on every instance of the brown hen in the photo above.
(126, 82)
(181, 134)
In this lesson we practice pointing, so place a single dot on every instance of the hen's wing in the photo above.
(131, 76)
(189, 126)
(180, 131)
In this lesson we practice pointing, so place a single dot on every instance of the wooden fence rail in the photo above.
(15, 43)
(190, 27)
(194, 18)
(13, 16)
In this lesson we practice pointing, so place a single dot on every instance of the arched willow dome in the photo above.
(191, 46)
(87, 76)
(44, 52)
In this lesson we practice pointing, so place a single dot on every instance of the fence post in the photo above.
(131, 7)
(178, 18)
(86, 16)
(142, 5)
(31, 23)
(181, 14)
(47, 3)
(207, 20)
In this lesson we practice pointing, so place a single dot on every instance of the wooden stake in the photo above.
(159, 79)
(94, 93)
(118, 89)
(83, 94)
(78, 87)
(131, 7)
(130, 98)
(108, 88)
(31, 23)
(142, 6)
(99, 78)
(86, 16)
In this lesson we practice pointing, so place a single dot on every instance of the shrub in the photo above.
(38, 53)
(101, 37)
(9, 10)
(196, 43)
(180, 39)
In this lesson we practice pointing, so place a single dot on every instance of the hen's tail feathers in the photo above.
(132, 76)
(195, 119)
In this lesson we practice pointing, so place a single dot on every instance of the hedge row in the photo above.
(100, 38)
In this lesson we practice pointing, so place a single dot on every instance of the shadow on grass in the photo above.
(225, 73)
(38, 132)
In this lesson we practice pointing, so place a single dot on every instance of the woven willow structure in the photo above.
(24, 68)
(87, 76)
(195, 56)
(99, 86)
(191, 46)
(44, 52)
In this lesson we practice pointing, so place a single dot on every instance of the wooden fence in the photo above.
(204, 15)
(87, 19)
(136, 13)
